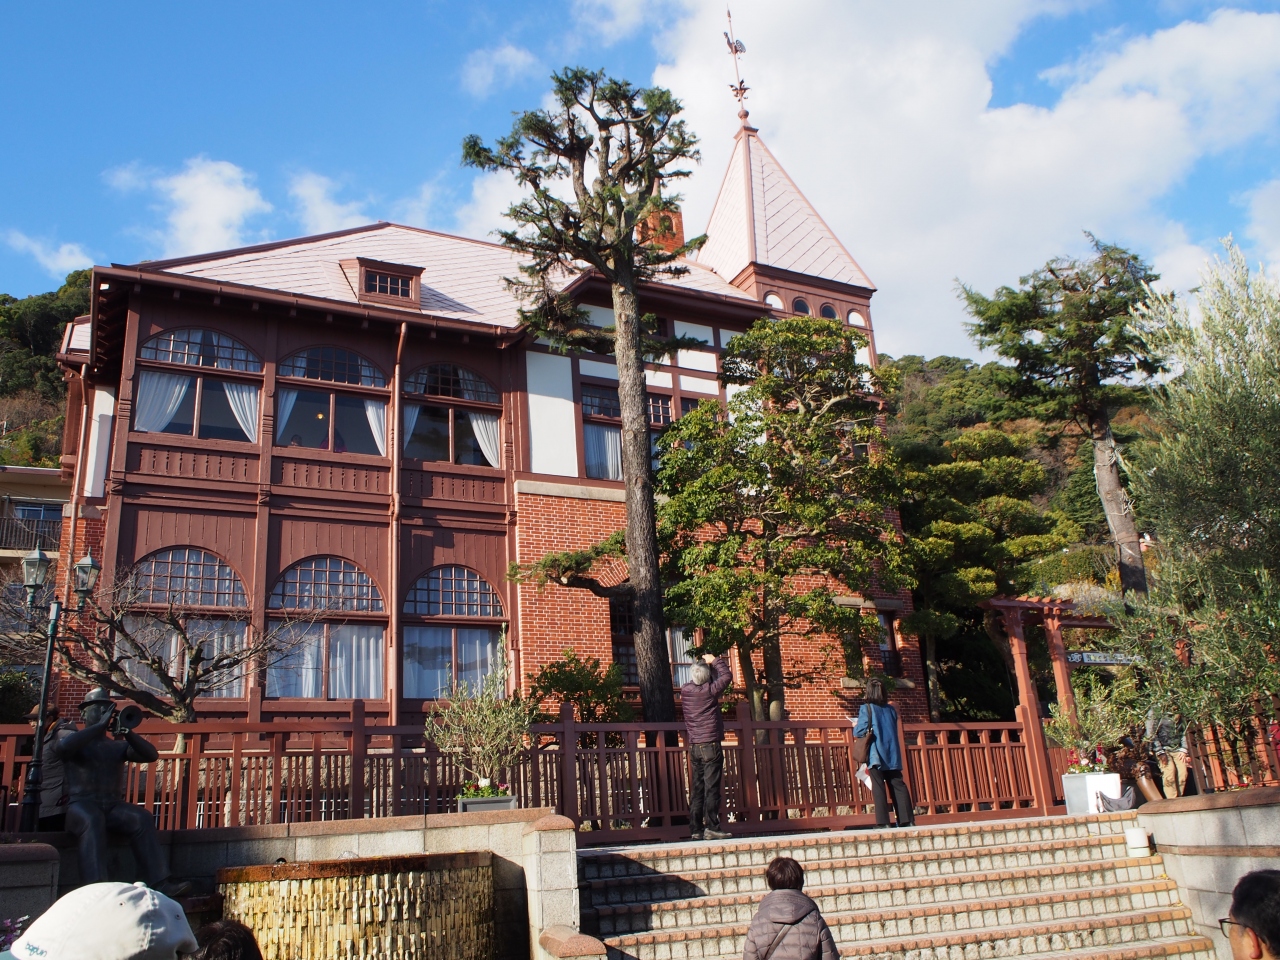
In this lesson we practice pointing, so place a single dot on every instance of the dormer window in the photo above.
(390, 283)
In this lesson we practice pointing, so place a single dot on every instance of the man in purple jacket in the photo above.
(700, 699)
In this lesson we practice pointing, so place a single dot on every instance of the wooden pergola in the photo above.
(1054, 613)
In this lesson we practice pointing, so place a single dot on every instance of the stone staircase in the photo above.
(1038, 888)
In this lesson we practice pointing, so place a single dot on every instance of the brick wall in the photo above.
(554, 618)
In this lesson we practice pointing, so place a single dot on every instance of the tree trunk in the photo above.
(1116, 505)
(755, 695)
(772, 650)
(931, 678)
(653, 662)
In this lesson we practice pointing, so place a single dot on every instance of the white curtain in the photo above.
(604, 451)
(681, 662)
(287, 399)
(375, 412)
(243, 398)
(485, 427)
(355, 661)
(411, 412)
(477, 651)
(299, 672)
(220, 636)
(428, 662)
(159, 396)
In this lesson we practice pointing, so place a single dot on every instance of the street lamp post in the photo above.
(35, 568)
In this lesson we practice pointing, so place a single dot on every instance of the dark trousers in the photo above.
(707, 760)
(91, 820)
(901, 796)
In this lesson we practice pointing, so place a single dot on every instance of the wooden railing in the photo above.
(616, 781)
(1218, 763)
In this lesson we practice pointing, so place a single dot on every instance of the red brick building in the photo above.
(357, 416)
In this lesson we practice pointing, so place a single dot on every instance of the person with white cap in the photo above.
(107, 921)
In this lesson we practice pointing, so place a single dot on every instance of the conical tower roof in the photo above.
(760, 216)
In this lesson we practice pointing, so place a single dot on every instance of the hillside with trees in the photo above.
(31, 387)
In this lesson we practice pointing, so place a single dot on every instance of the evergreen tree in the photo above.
(1070, 332)
(596, 166)
(781, 503)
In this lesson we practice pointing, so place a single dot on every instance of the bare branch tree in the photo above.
(162, 656)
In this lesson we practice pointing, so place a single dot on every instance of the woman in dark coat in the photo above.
(788, 926)
(884, 761)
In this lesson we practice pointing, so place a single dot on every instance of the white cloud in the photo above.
(486, 70)
(1264, 223)
(614, 20)
(491, 195)
(316, 208)
(415, 211)
(209, 202)
(57, 261)
(886, 124)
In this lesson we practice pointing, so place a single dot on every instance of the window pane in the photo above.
(687, 404)
(475, 438)
(147, 637)
(680, 659)
(220, 637)
(604, 451)
(477, 651)
(201, 348)
(428, 662)
(297, 672)
(430, 437)
(333, 364)
(354, 423)
(601, 401)
(659, 409)
(355, 661)
(165, 403)
(800, 307)
(306, 423)
(217, 419)
(622, 633)
(828, 312)
(453, 592)
(450, 380)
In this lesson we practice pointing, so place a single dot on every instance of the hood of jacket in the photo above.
(785, 906)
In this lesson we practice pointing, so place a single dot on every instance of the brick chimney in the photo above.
(665, 228)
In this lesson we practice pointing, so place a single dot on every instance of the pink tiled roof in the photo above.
(760, 216)
(461, 279)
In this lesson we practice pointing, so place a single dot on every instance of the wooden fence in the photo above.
(618, 782)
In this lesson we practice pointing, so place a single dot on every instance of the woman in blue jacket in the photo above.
(884, 761)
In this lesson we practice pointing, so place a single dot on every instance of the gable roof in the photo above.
(760, 216)
(461, 279)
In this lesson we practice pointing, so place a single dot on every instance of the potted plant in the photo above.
(1104, 711)
(486, 732)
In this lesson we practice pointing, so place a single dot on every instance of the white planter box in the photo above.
(1080, 790)
(479, 804)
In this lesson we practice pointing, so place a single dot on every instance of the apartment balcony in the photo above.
(25, 535)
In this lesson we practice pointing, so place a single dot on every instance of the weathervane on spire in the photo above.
(736, 49)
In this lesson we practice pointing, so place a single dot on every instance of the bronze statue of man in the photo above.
(94, 766)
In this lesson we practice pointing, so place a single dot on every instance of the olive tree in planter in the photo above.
(1104, 716)
(486, 732)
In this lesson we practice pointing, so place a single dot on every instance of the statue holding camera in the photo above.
(94, 765)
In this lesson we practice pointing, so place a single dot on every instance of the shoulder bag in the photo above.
(862, 745)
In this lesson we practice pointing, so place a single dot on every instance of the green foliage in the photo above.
(18, 695)
(485, 730)
(595, 692)
(1107, 709)
(937, 398)
(31, 333)
(1208, 488)
(1070, 333)
(790, 486)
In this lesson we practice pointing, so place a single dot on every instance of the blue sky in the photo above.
(940, 140)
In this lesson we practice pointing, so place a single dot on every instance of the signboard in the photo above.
(1099, 659)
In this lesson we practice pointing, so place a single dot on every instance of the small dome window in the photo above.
(773, 300)
(800, 307)
(828, 312)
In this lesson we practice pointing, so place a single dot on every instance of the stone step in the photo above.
(683, 857)
(703, 877)
(938, 933)
(1096, 880)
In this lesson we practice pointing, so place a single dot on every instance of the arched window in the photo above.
(334, 365)
(828, 312)
(186, 577)
(452, 432)
(332, 419)
(201, 348)
(195, 404)
(325, 583)
(435, 654)
(800, 307)
(857, 319)
(330, 659)
(773, 300)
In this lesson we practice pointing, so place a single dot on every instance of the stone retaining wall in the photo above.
(1209, 842)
